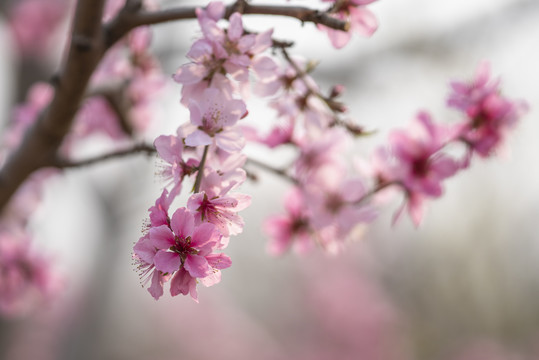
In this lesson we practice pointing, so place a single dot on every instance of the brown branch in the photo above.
(128, 20)
(136, 149)
(200, 173)
(41, 142)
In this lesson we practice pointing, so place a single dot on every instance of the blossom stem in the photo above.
(198, 181)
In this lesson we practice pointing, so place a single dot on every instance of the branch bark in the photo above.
(42, 141)
(128, 20)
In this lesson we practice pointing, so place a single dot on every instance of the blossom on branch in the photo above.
(361, 20)
(490, 115)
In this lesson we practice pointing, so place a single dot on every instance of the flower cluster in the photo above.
(417, 160)
(185, 248)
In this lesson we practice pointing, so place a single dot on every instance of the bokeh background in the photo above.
(464, 286)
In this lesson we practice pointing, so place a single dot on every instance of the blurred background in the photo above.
(464, 286)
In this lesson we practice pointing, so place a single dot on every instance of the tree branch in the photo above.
(41, 142)
(128, 20)
(139, 148)
(281, 172)
(200, 173)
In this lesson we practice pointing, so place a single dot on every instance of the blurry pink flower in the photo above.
(332, 200)
(279, 135)
(318, 151)
(26, 279)
(292, 229)
(469, 96)
(38, 97)
(361, 20)
(417, 164)
(33, 23)
(490, 115)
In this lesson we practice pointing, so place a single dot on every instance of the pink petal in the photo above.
(212, 279)
(196, 113)
(156, 288)
(246, 43)
(198, 138)
(263, 42)
(182, 223)
(190, 74)
(197, 266)
(183, 283)
(230, 140)
(167, 261)
(169, 148)
(162, 237)
(145, 249)
(215, 10)
(363, 21)
(204, 237)
(235, 29)
(219, 261)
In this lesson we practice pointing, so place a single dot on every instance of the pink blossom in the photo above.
(34, 22)
(38, 97)
(318, 151)
(144, 251)
(280, 134)
(223, 51)
(291, 229)
(184, 245)
(170, 149)
(214, 203)
(419, 166)
(333, 202)
(490, 115)
(26, 278)
(214, 116)
(361, 20)
(143, 256)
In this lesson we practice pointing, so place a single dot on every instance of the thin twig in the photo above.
(136, 149)
(200, 173)
(336, 107)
